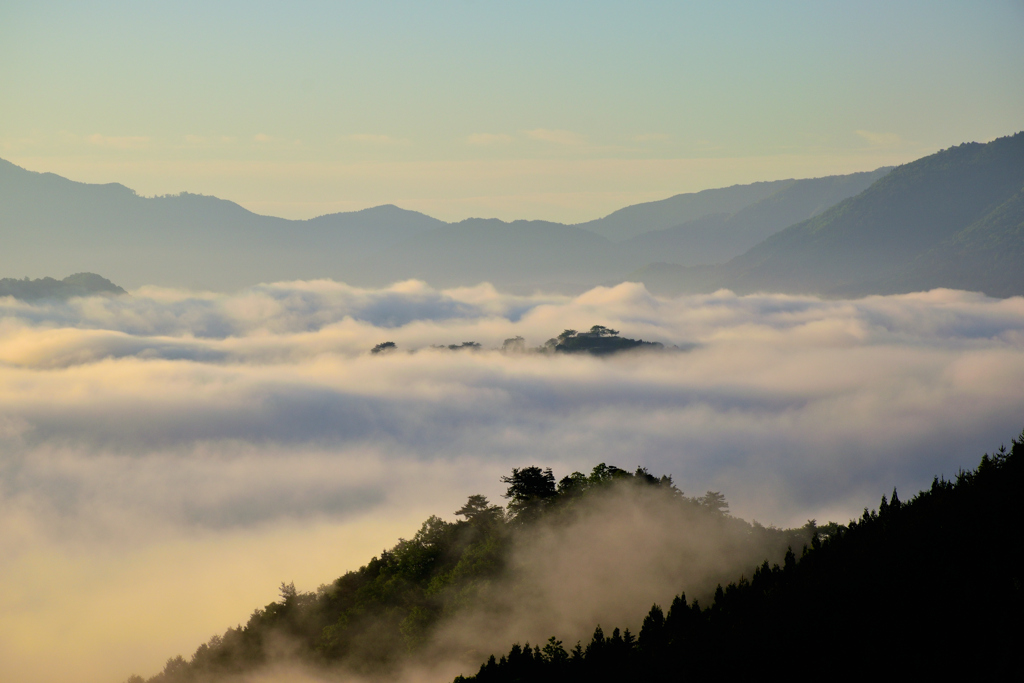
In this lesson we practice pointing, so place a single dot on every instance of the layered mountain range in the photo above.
(952, 219)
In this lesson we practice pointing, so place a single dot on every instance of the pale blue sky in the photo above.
(530, 109)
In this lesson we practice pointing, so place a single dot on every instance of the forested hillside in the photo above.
(444, 598)
(900, 588)
(927, 587)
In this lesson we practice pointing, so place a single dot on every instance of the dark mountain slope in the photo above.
(457, 587)
(993, 245)
(928, 589)
(717, 238)
(876, 241)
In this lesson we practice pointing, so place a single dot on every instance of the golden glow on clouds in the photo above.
(170, 457)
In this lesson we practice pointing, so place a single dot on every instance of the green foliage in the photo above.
(599, 341)
(929, 588)
(372, 619)
(515, 344)
(465, 346)
(529, 491)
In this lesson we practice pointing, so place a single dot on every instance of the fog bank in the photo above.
(170, 457)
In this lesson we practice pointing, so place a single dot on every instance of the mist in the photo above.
(170, 457)
(622, 550)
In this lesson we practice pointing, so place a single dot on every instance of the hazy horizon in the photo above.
(507, 219)
(559, 113)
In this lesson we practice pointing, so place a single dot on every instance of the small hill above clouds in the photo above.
(79, 284)
(952, 219)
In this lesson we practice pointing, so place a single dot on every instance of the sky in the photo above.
(171, 457)
(561, 111)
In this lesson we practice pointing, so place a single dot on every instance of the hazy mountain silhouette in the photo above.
(718, 237)
(937, 221)
(952, 219)
(682, 208)
(987, 256)
(79, 284)
(553, 256)
(50, 223)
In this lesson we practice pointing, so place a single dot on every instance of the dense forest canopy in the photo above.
(457, 588)
(930, 586)
(597, 341)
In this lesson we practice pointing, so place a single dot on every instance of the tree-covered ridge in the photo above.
(79, 284)
(395, 609)
(931, 586)
(597, 341)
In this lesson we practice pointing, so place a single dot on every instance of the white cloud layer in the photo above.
(189, 451)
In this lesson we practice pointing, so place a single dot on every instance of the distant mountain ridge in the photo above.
(952, 219)
(716, 238)
(51, 223)
(662, 214)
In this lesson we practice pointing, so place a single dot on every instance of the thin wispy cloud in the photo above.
(209, 140)
(652, 137)
(557, 137)
(119, 142)
(375, 139)
(489, 139)
(881, 140)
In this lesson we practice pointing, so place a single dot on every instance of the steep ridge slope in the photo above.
(630, 221)
(460, 588)
(717, 238)
(910, 229)
(993, 245)
(898, 589)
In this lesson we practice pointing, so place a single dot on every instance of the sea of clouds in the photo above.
(168, 458)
